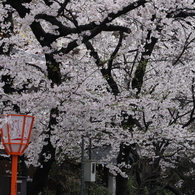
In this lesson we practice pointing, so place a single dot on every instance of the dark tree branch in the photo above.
(134, 61)
(45, 39)
(63, 6)
(74, 44)
(63, 30)
(146, 124)
(170, 188)
(113, 55)
(93, 53)
(141, 68)
(6, 32)
(117, 28)
(192, 118)
(22, 11)
(103, 25)
(173, 117)
(181, 13)
(48, 2)
(125, 10)
(113, 16)
(112, 83)
(37, 67)
(185, 47)
(105, 73)
(24, 1)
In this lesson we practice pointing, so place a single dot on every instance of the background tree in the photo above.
(120, 72)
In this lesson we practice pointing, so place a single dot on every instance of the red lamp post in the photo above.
(15, 135)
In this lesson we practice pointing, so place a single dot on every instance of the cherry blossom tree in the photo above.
(119, 72)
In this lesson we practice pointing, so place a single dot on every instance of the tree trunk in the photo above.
(41, 173)
(121, 185)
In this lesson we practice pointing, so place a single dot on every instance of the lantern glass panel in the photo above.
(16, 133)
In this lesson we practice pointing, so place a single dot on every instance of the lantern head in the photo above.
(16, 133)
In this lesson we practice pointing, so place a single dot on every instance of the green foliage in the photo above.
(99, 186)
(65, 179)
(132, 186)
(96, 189)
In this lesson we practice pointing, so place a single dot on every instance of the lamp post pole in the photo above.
(14, 175)
(82, 167)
